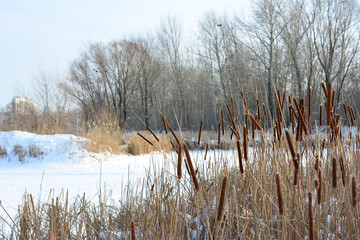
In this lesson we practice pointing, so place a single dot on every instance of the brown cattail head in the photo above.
(222, 122)
(191, 168)
(206, 150)
(222, 200)
(164, 121)
(133, 236)
(265, 113)
(245, 144)
(145, 139)
(240, 157)
(311, 219)
(324, 88)
(179, 162)
(296, 168)
(353, 191)
(342, 168)
(219, 133)
(351, 116)
(201, 125)
(320, 118)
(279, 193)
(291, 146)
(258, 109)
(317, 163)
(334, 173)
(148, 128)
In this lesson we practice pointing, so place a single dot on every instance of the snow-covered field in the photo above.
(66, 166)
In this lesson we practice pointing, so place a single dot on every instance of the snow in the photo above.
(66, 166)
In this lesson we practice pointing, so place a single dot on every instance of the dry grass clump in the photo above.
(216, 200)
(137, 146)
(3, 152)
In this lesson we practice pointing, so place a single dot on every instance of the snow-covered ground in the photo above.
(66, 166)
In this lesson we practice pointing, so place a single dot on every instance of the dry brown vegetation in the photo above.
(291, 188)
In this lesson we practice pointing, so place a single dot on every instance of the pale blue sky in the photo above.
(49, 35)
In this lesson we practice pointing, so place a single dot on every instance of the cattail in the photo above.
(219, 133)
(206, 150)
(333, 98)
(254, 121)
(244, 100)
(334, 174)
(148, 128)
(317, 163)
(353, 191)
(172, 144)
(222, 122)
(319, 188)
(233, 132)
(324, 88)
(133, 237)
(296, 167)
(191, 168)
(164, 121)
(347, 117)
(351, 116)
(258, 109)
(201, 125)
(145, 139)
(311, 219)
(301, 116)
(283, 101)
(173, 133)
(245, 144)
(179, 162)
(222, 200)
(310, 110)
(291, 146)
(240, 157)
(320, 118)
(265, 113)
(328, 105)
(233, 107)
(280, 196)
(342, 168)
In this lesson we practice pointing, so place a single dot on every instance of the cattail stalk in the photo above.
(353, 113)
(164, 121)
(240, 157)
(222, 200)
(145, 139)
(296, 167)
(342, 168)
(324, 88)
(301, 116)
(334, 173)
(133, 237)
(245, 144)
(311, 219)
(201, 125)
(319, 188)
(353, 191)
(351, 116)
(233, 107)
(148, 128)
(173, 133)
(328, 105)
(191, 168)
(179, 165)
(280, 195)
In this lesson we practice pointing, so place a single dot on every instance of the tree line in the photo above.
(291, 46)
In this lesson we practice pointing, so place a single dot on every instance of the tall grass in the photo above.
(216, 200)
